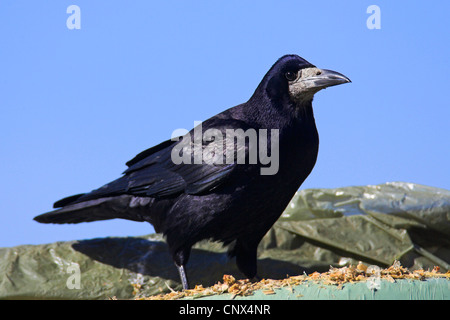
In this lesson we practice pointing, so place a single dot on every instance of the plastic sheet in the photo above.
(320, 227)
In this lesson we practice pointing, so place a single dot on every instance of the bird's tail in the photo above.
(93, 210)
(68, 200)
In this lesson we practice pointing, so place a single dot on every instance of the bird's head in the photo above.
(294, 79)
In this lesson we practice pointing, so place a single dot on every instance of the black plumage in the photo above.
(229, 202)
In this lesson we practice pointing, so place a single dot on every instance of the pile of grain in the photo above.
(335, 276)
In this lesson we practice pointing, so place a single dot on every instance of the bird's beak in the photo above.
(322, 78)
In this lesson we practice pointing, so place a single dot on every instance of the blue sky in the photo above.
(75, 105)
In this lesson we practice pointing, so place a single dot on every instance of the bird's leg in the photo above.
(246, 257)
(181, 257)
(183, 276)
(256, 278)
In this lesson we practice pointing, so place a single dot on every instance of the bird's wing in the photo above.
(159, 175)
(147, 153)
(154, 172)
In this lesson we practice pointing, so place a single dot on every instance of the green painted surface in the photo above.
(431, 289)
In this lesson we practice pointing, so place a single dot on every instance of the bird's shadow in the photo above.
(152, 258)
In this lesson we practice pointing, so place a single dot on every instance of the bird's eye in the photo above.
(291, 75)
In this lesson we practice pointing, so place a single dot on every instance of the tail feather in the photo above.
(68, 200)
(95, 210)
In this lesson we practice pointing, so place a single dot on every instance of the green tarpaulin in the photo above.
(320, 227)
